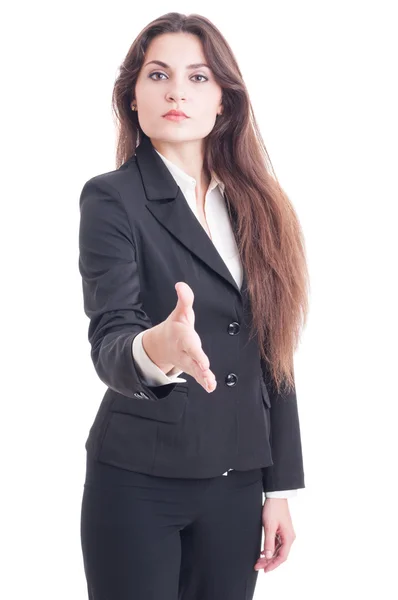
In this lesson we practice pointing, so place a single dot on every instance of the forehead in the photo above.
(176, 48)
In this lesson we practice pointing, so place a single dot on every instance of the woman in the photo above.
(193, 263)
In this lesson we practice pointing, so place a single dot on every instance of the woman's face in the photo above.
(161, 88)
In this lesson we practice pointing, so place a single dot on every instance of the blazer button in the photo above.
(231, 379)
(233, 328)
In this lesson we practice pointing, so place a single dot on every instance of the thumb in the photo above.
(269, 544)
(185, 298)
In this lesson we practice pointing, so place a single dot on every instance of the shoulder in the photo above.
(105, 223)
(112, 201)
(116, 182)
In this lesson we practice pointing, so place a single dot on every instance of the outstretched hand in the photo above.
(182, 344)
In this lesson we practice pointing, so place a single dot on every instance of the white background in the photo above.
(322, 78)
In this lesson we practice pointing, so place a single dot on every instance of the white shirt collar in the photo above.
(185, 180)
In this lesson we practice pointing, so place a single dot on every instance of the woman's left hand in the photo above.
(278, 533)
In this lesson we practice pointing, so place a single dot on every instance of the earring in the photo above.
(133, 107)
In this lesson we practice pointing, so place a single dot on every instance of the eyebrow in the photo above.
(166, 66)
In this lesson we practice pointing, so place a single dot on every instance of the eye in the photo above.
(201, 76)
(155, 73)
(160, 73)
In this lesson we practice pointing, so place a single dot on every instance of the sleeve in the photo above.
(148, 370)
(281, 494)
(111, 290)
(287, 470)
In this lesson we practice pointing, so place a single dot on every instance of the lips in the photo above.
(175, 113)
(176, 118)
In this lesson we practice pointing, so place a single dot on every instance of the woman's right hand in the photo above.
(180, 344)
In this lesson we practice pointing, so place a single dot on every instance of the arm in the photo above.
(111, 290)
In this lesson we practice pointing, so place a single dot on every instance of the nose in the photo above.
(176, 97)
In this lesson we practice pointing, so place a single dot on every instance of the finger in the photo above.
(205, 378)
(269, 542)
(184, 306)
(193, 348)
(278, 559)
(272, 538)
(263, 562)
(184, 291)
(194, 361)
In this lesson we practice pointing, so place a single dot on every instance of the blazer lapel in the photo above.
(168, 205)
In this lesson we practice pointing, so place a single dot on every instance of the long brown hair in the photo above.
(269, 235)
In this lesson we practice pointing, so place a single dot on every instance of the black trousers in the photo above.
(145, 537)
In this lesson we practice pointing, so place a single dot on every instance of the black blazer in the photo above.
(137, 238)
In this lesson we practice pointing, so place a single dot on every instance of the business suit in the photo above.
(138, 238)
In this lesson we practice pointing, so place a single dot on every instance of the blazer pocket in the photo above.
(264, 391)
(167, 410)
